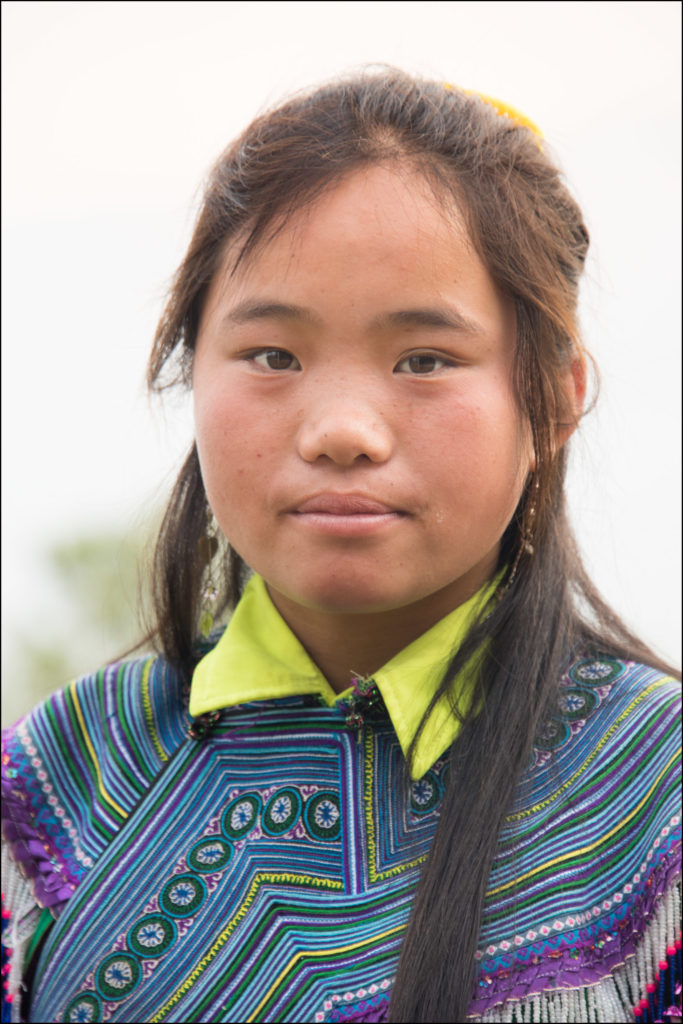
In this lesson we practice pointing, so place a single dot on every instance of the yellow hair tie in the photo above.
(504, 109)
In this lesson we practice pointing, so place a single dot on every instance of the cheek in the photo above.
(477, 449)
(469, 431)
(230, 446)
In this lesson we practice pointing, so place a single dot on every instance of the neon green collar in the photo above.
(259, 658)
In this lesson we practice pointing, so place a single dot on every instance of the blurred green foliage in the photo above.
(97, 583)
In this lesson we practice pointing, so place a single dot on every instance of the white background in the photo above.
(112, 115)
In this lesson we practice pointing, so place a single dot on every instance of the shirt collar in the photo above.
(258, 657)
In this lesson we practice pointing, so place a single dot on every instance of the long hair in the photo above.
(529, 232)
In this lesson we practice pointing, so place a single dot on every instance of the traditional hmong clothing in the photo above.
(251, 853)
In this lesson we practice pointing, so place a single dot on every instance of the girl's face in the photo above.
(356, 425)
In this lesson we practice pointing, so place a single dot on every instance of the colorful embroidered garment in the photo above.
(263, 868)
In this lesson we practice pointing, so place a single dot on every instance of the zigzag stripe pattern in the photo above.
(267, 871)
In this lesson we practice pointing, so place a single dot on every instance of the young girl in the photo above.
(425, 774)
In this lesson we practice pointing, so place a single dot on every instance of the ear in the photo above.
(575, 382)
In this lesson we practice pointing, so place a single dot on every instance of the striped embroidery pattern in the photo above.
(267, 871)
(76, 767)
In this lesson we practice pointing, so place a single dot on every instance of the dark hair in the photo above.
(529, 232)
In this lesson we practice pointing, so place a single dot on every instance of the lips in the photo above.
(343, 505)
(345, 517)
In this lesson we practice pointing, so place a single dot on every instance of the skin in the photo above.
(364, 456)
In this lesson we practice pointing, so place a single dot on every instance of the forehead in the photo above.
(370, 208)
(378, 241)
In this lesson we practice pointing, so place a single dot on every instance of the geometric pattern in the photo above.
(267, 870)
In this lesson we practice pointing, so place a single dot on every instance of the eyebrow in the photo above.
(248, 311)
(444, 317)
(440, 317)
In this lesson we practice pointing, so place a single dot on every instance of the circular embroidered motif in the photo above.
(209, 854)
(117, 976)
(322, 816)
(596, 671)
(152, 935)
(85, 1008)
(182, 895)
(281, 812)
(424, 794)
(241, 814)
(552, 734)
(576, 703)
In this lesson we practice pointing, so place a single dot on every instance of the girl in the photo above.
(425, 774)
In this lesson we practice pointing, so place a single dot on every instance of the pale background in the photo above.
(113, 113)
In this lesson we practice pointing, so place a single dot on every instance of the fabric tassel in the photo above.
(7, 996)
(20, 918)
(647, 988)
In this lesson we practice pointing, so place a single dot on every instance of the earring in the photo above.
(208, 546)
(526, 546)
(529, 524)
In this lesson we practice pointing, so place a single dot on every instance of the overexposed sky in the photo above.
(112, 115)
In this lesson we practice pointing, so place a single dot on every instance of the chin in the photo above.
(344, 596)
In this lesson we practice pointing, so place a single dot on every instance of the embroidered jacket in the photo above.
(259, 863)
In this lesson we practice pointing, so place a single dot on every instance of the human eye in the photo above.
(423, 364)
(274, 359)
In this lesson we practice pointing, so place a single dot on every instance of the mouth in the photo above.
(345, 514)
(344, 505)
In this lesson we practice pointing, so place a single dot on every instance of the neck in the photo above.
(343, 645)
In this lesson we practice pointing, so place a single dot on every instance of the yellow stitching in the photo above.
(592, 846)
(373, 874)
(591, 757)
(310, 954)
(261, 877)
(147, 705)
(369, 819)
(100, 785)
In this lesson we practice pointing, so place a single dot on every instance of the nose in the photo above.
(344, 428)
